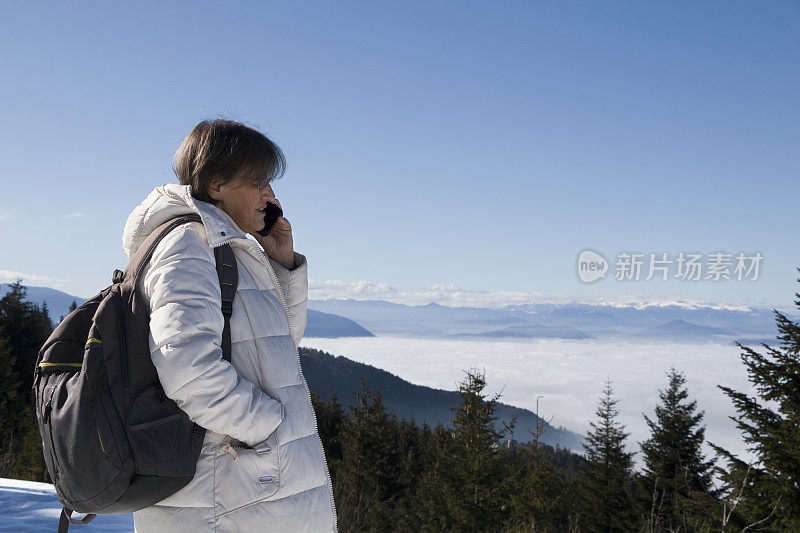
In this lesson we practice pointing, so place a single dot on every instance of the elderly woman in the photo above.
(262, 466)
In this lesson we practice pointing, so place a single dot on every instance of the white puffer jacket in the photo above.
(279, 481)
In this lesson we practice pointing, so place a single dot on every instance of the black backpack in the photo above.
(113, 442)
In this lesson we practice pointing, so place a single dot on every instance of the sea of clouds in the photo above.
(569, 375)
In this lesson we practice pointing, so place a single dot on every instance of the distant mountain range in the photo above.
(367, 318)
(532, 331)
(560, 321)
(680, 330)
(327, 374)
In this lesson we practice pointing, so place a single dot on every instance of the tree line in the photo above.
(395, 475)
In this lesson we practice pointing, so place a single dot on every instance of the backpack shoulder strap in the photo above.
(145, 250)
(228, 274)
(66, 519)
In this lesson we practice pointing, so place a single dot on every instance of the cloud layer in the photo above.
(11, 276)
(569, 374)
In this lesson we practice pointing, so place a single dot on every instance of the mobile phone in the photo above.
(271, 215)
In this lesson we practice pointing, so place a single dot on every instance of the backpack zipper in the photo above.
(46, 416)
(51, 450)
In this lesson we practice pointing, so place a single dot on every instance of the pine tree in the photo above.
(466, 490)
(73, 306)
(26, 326)
(540, 497)
(430, 504)
(367, 478)
(770, 424)
(412, 445)
(10, 407)
(675, 468)
(330, 420)
(609, 502)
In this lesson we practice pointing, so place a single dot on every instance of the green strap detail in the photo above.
(94, 339)
(60, 364)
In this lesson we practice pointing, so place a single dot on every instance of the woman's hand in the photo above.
(279, 244)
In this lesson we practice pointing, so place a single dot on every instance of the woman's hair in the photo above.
(225, 150)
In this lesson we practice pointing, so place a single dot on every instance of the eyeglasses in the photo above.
(262, 183)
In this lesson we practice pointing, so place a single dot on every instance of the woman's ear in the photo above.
(214, 189)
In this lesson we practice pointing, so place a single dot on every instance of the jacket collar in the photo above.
(171, 200)
(220, 227)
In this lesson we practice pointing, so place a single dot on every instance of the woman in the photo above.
(262, 466)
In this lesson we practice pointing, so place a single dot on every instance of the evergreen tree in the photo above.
(540, 497)
(73, 306)
(466, 490)
(11, 407)
(412, 446)
(26, 326)
(367, 478)
(767, 492)
(430, 504)
(330, 421)
(608, 495)
(675, 468)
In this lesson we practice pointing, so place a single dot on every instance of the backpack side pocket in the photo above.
(160, 435)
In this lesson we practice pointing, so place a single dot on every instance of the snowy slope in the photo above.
(32, 506)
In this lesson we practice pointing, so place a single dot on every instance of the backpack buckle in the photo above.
(118, 276)
(227, 306)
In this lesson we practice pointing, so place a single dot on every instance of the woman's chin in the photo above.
(257, 225)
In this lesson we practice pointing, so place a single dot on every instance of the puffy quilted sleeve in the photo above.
(181, 285)
(294, 284)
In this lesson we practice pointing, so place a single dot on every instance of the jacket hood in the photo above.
(172, 200)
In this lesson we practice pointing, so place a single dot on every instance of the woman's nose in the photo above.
(267, 193)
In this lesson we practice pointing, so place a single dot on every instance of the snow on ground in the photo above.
(31, 506)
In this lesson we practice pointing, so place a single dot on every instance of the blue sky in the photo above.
(462, 152)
